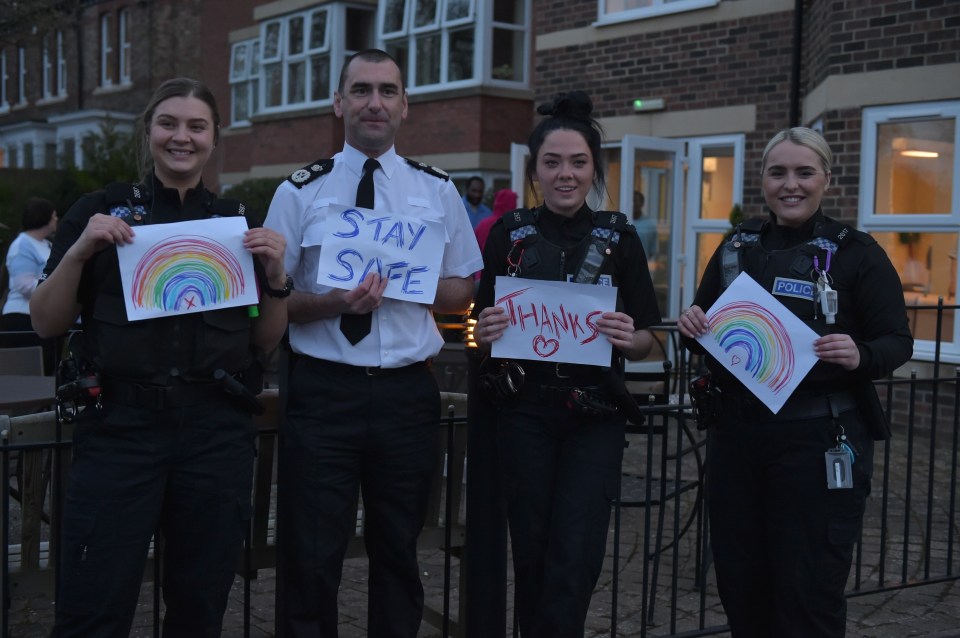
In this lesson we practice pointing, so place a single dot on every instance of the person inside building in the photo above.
(646, 227)
(477, 211)
(782, 534)
(26, 257)
(561, 459)
(363, 407)
(165, 441)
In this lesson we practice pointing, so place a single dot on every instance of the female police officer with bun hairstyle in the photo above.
(164, 444)
(782, 531)
(560, 460)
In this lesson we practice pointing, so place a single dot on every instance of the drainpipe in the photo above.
(797, 56)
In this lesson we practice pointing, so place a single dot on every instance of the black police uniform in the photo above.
(166, 447)
(561, 470)
(783, 542)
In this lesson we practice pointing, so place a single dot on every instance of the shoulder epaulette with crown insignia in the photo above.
(426, 168)
(303, 176)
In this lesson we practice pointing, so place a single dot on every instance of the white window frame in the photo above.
(124, 62)
(21, 75)
(607, 13)
(286, 59)
(869, 221)
(106, 50)
(247, 76)
(46, 68)
(61, 66)
(479, 19)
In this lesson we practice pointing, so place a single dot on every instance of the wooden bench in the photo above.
(31, 561)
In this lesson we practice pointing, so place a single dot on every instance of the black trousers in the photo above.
(561, 474)
(347, 431)
(783, 542)
(186, 470)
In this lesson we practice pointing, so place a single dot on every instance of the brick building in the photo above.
(688, 92)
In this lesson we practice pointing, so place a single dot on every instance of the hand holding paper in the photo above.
(755, 337)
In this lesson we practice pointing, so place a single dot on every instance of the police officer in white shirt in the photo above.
(363, 407)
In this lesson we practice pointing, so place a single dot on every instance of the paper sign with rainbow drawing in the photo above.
(767, 347)
(173, 269)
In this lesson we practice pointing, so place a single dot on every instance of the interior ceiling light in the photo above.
(927, 154)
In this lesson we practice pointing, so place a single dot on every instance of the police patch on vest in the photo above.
(602, 280)
(793, 288)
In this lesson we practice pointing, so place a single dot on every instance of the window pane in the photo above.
(241, 102)
(716, 188)
(915, 167)
(428, 60)
(318, 30)
(508, 55)
(238, 70)
(706, 245)
(393, 15)
(398, 50)
(296, 82)
(271, 41)
(255, 59)
(616, 6)
(927, 263)
(426, 13)
(319, 77)
(254, 97)
(273, 85)
(295, 37)
(461, 55)
(457, 9)
(508, 11)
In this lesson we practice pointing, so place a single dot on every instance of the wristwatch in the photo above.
(279, 293)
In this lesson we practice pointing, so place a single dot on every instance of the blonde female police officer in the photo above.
(782, 539)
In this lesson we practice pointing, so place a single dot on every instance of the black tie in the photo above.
(356, 327)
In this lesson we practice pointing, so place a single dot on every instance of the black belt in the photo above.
(797, 407)
(550, 373)
(370, 371)
(160, 397)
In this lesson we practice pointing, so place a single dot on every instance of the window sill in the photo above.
(53, 99)
(112, 88)
(653, 12)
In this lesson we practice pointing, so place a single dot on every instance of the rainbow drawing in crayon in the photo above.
(756, 340)
(185, 273)
(759, 341)
(183, 267)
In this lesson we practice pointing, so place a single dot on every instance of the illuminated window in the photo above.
(908, 202)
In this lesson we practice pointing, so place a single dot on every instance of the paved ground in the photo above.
(931, 610)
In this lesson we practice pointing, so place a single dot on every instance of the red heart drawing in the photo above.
(545, 347)
(734, 360)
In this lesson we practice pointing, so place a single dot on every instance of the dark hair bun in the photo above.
(573, 104)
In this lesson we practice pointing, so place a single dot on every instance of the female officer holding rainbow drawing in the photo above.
(782, 532)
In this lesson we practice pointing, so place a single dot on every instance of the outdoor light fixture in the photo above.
(652, 104)
(910, 153)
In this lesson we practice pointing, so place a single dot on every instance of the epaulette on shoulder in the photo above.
(611, 219)
(227, 208)
(303, 176)
(841, 234)
(519, 218)
(753, 224)
(123, 192)
(426, 168)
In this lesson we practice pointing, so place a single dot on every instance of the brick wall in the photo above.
(855, 36)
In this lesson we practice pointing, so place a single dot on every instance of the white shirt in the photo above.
(26, 258)
(402, 332)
